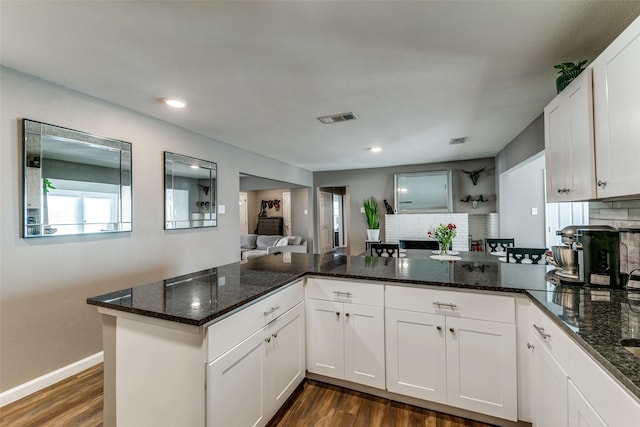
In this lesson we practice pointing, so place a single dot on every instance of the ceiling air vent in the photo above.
(457, 140)
(337, 118)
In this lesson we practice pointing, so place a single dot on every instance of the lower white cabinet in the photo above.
(443, 357)
(581, 413)
(416, 355)
(247, 384)
(550, 388)
(345, 330)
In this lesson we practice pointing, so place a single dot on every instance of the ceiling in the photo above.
(257, 74)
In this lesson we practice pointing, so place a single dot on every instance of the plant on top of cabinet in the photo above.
(568, 71)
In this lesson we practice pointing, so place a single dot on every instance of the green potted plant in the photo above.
(373, 221)
(568, 71)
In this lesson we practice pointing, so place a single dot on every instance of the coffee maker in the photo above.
(598, 256)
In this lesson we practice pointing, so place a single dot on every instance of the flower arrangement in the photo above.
(444, 234)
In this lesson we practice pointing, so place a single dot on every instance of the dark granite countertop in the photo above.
(596, 318)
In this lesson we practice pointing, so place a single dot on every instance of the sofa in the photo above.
(255, 245)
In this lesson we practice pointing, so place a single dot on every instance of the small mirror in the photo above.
(189, 192)
(74, 182)
(423, 192)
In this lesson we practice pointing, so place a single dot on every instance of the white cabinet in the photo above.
(617, 115)
(248, 384)
(455, 348)
(581, 413)
(550, 388)
(416, 355)
(236, 385)
(569, 149)
(345, 340)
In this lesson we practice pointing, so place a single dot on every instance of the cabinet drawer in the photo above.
(495, 308)
(550, 335)
(230, 331)
(613, 403)
(365, 293)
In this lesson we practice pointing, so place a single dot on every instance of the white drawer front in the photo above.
(369, 293)
(550, 334)
(223, 335)
(495, 308)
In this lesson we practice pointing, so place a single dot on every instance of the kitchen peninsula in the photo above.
(159, 336)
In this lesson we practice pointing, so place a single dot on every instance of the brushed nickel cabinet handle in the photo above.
(439, 304)
(541, 331)
(342, 294)
(266, 313)
(601, 183)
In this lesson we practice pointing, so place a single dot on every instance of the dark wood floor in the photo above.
(322, 405)
(77, 402)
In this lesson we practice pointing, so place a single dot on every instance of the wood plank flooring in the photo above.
(77, 402)
(73, 402)
(322, 405)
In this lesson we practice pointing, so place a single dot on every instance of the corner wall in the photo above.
(45, 323)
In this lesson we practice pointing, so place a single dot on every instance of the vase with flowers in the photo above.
(444, 234)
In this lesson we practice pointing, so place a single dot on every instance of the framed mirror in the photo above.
(423, 192)
(74, 182)
(189, 192)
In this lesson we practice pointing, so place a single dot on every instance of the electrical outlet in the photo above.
(361, 209)
(534, 211)
(221, 209)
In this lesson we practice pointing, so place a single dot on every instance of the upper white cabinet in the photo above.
(592, 128)
(616, 84)
(569, 150)
(345, 330)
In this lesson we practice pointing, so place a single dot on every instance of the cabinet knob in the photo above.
(452, 330)
(559, 190)
(338, 313)
(275, 335)
(268, 339)
(601, 183)
(530, 346)
(346, 314)
(439, 328)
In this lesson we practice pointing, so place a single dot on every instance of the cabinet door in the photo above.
(617, 109)
(569, 145)
(416, 355)
(550, 389)
(325, 338)
(364, 345)
(581, 413)
(481, 367)
(236, 385)
(285, 356)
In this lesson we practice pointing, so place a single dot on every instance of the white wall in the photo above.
(45, 323)
(521, 189)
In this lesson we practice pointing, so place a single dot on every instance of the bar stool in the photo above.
(385, 249)
(535, 255)
(499, 245)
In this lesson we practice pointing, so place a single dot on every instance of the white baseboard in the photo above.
(48, 379)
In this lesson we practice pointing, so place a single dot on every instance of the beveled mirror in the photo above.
(74, 182)
(189, 192)
(423, 192)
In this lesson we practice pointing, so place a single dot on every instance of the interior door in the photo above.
(244, 215)
(286, 212)
(325, 220)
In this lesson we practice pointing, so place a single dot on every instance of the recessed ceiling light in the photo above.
(375, 149)
(175, 102)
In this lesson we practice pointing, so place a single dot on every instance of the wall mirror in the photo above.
(189, 192)
(423, 192)
(74, 182)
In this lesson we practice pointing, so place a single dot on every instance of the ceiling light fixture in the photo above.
(375, 149)
(175, 102)
(337, 118)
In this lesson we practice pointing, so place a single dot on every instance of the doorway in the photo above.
(333, 219)
(244, 214)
